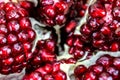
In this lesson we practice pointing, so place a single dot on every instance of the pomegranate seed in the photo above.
(90, 76)
(79, 70)
(116, 62)
(59, 75)
(105, 76)
(97, 69)
(13, 26)
(114, 72)
(114, 46)
(104, 60)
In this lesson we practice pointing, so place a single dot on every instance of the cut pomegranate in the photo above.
(60, 39)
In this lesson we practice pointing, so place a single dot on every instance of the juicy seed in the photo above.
(59, 75)
(105, 76)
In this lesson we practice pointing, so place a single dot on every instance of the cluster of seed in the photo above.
(105, 68)
(16, 37)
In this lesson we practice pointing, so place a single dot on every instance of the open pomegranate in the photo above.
(60, 40)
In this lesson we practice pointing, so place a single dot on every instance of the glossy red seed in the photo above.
(105, 60)
(114, 46)
(8, 62)
(71, 60)
(3, 29)
(31, 34)
(97, 35)
(56, 66)
(2, 12)
(13, 26)
(12, 15)
(20, 58)
(60, 19)
(50, 45)
(70, 40)
(85, 30)
(5, 52)
(9, 6)
(49, 11)
(48, 68)
(28, 55)
(81, 13)
(47, 56)
(78, 43)
(78, 53)
(49, 22)
(27, 47)
(48, 77)
(92, 22)
(61, 7)
(97, 10)
(36, 61)
(116, 12)
(97, 68)
(59, 75)
(70, 26)
(11, 39)
(23, 12)
(114, 25)
(33, 76)
(98, 43)
(2, 5)
(27, 5)
(3, 39)
(25, 23)
(42, 71)
(114, 72)
(104, 48)
(105, 30)
(80, 70)
(116, 62)
(2, 20)
(105, 76)
(16, 49)
(90, 76)
(117, 3)
(23, 36)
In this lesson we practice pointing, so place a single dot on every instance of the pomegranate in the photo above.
(59, 39)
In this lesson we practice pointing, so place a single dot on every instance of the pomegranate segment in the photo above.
(45, 52)
(47, 72)
(98, 30)
(13, 36)
(53, 12)
(103, 69)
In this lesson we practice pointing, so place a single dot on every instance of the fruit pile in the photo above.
(60, 40)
